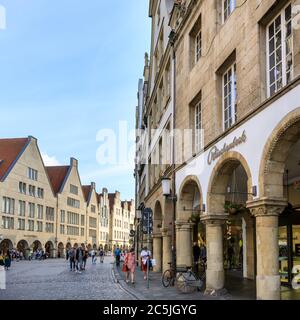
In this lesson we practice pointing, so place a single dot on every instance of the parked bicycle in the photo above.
(184, 279)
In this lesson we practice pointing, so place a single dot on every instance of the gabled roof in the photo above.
(111, 198)
(57, 176)
(86, 192)
(10, 151)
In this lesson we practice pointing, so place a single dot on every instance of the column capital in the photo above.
(156, 235)
(214, 219)
(180, 224)
(267, 207)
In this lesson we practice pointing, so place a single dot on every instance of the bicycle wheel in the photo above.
(166, 278)
(186, 282)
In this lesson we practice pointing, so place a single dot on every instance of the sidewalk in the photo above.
(238, 289)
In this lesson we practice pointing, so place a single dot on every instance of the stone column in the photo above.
(215, 276)
(248, 249)
(157, 251)
(266, 212)
(184, 244)
(167, 249)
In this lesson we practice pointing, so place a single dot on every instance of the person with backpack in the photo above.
(101, 255)
(71, 255)
(79, 258)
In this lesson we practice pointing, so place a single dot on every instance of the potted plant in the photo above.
(195, 218)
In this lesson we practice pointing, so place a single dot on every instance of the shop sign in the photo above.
(215, 152)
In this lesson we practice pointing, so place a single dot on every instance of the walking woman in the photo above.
(7, 260)
(130, 262)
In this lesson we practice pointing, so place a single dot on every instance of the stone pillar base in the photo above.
(268, 287)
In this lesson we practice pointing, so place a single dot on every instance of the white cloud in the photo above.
(50, 161)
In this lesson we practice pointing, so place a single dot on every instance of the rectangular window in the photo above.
(39, 226)
(22, 208)
(72, 231)
(8, 205)
(41, 193)
(32, 174)
(93, 222)
(198, 127)
(73, 203)
(198, 46)
(280, 51)
(228, 8)
(49, 214)
(31, 210)
(229, 97)
(82, 220)
(40, 212)
(73, 189)
(62, 216)
(32, 190)
(7, 223)
(93, 208)
(62, 229)
(49, 227)
(73, 218)
(21, 224)
(22, 187)
(82, 232)
(30, 225)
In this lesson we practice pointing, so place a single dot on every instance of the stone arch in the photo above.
(190, 197)
(60, 250)
(49, 249)
(22, 246)
(275, 155)
(220, 178)
(68, 246)
(36, 245)
(6, 244)
(157, 217)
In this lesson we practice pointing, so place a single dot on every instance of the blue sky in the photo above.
(68, 69)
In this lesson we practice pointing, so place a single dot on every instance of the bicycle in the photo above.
(184, 279)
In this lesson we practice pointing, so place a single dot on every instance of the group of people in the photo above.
(130, 262)
(78, 256)
(5, 259)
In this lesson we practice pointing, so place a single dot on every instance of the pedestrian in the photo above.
(101, 254)
(117, 254)
(230, 253)
(130, 261)
(79, 259)
(93, 255)
(196, 256)
(145, 255)
(7, 260)
(2, 259)
(85, 257)
(71, 254)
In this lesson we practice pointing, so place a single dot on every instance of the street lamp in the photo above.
(170, 195)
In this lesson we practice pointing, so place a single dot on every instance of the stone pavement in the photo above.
(238, 288)
(52, 280)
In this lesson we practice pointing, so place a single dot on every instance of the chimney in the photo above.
(74, 162)
(93, 185)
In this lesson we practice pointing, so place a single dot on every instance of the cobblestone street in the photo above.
(52, 280)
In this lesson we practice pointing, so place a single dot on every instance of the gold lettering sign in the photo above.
(215, 152)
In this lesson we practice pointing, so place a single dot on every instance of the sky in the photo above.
(69, 73)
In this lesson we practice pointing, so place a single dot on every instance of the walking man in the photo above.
(71, 254)
(117, 254)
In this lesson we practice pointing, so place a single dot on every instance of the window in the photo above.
(73, 218)
(93, 208)
(30, 225)
(49, 214)
(229, 97)
(280, 51)
(32, 190)
(21, 224)
(198, 46)
(228, 7)
(40, 212)
(93, 222)
(62, 216)
(72, 231)
(82, 232)
(73, 203)
(49, 227)
(8, 205)
(32, 174)
(22, 187)
(31, 210)
(22, 208)
(93, 233)
(73, 189)
(82, 220)
(41, 193)
(198, 127)
(39, 226)
(7, 223)
(62, 229)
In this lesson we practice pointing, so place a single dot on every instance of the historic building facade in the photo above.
(236, 175)
(47, 207)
